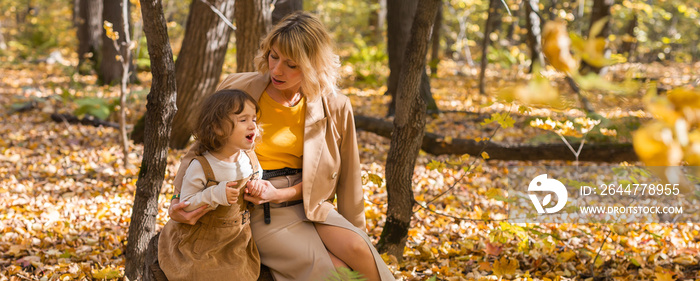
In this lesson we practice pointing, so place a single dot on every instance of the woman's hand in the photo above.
(259, 192)
(177, 212)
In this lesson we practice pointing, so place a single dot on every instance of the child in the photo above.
(219, 246)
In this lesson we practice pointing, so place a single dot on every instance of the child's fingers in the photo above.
(231, 184)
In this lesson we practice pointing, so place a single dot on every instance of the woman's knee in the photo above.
(357, 246)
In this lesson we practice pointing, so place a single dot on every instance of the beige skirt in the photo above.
(290, 245)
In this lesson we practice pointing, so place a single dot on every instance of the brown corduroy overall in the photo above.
(218, 247)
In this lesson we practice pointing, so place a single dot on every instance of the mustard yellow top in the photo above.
(282, 127)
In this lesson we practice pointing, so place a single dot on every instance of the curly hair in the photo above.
(214, 125)
(303, 38)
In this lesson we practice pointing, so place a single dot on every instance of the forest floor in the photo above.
(66, 197)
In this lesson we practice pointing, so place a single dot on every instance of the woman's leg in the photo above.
(349, 247)
(336, 261)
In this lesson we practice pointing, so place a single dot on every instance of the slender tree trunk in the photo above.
(125, 50)
(160, 111)
(251, 26)
(601, 9)
(629, 41)
(488, 28)
(198, 66)
(408, 133)
(376, 19)
(284, 8)
(534, 33)
(89, 26)
(551, 15)
(400, 15)
(110, 71)
(435, 43)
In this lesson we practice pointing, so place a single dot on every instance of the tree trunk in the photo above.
(435, 43)
(89, 27)
(251, 26)
(159, 115)
(198, 66)
(408, 133)
(551, 15)
(488, 28)
(400, 15)
(601, 9)
(376, 20)
(284, 8)
(629, 42)
(534, 33)
(110, 71)
(436, 145)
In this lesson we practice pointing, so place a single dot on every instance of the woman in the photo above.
(309, 151)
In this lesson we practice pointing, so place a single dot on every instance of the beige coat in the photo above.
(327, 144)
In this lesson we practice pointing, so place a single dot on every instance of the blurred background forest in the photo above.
(614, 75)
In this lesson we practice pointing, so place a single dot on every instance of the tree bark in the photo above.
(377, 19)
(160, 111)
(198, 66)
(551, 15)
(400, 15)
(252, 17)
(436, 145)
(534, 33)
(89, 27)
(435, 43)
(629, 42)
(110, 70)
(601, 9)
(284, 8)
(488, 28)
(408, 133)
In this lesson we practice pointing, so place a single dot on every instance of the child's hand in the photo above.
(260, 191)
(232, 192)
(254, 188)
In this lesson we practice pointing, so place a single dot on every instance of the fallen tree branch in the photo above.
(436, 145)
(87, 120)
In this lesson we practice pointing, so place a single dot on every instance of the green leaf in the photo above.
(345, 274)
(97, 107)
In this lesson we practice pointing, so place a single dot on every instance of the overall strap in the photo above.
(254, 163)
(208, 172)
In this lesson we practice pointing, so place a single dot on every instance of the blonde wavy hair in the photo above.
(301, 37)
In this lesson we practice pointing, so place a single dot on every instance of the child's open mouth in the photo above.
(250, 137)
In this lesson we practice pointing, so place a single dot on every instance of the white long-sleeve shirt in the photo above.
(194, 182)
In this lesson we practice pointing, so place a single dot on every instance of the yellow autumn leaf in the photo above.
(556, 46)
(505, 266)
(106, 273)
(485, 155)
(538, 91)
(654, 145)
(109, 31)
(492, 193)
(663, 276)
(565, 256)
(685, 260)
(682, 97)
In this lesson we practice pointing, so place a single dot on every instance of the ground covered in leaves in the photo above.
(66, 197)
